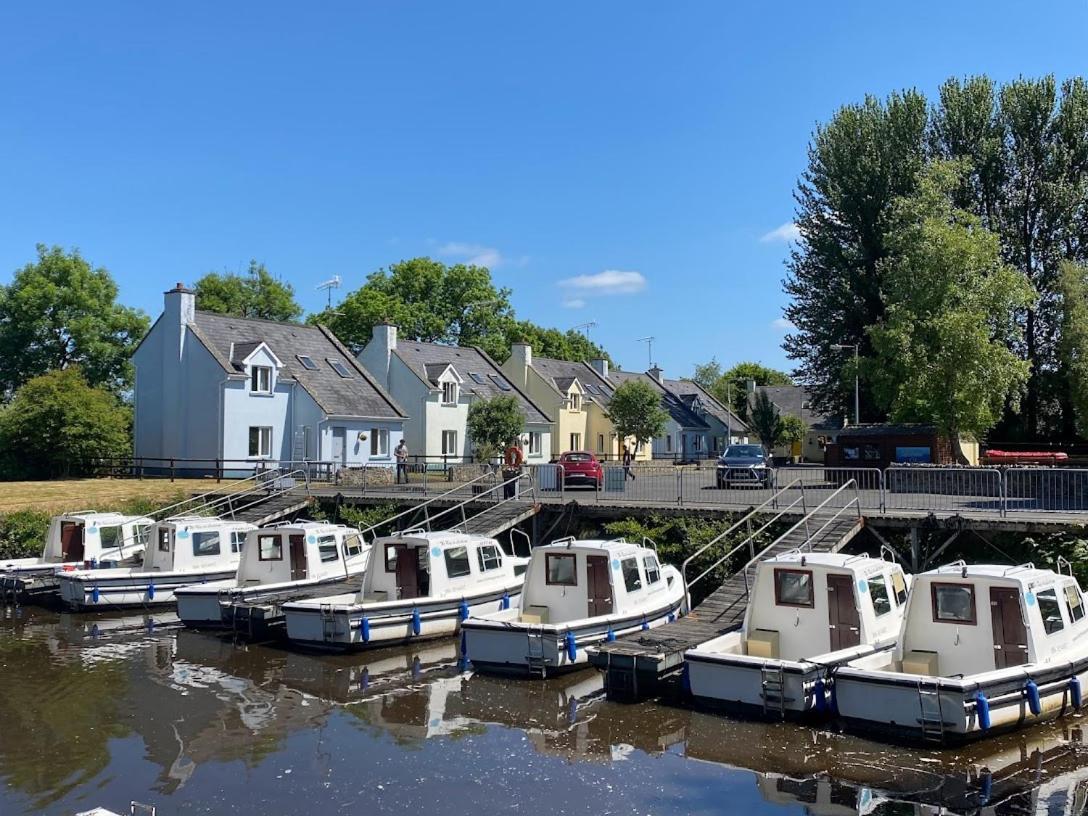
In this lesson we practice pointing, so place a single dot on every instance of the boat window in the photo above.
(1075, 603)
(954, 603)
(326, 549)
(390, 558)
(490, 557)
(164, 540)
(237, 541)
(653, 571)
(109, 537)
(206, 543)
(631, 579)
(269, 548)
(561, 570)
(352, 546)
(793, 588)
(457, 563)
(878, 592)
(899, 584)
(1051, 610)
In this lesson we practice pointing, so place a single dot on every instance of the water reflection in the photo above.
(72, 687)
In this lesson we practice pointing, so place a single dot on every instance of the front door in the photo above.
(340, 446)
(298, 558)
(1010, 637)
(600, 589)
(842, 612)
(71, 541)
(407, 572)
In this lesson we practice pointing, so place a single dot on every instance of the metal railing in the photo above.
(414, 509)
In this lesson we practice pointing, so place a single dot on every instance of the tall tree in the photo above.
(944, 348)
(60, 311)
(766, 421)
(636, 413)
(255, 294)
(858, 164)
(560, 345)
(492, 423)
(1073, 350)
(730, 387)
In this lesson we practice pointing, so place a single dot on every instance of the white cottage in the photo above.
(212, 387)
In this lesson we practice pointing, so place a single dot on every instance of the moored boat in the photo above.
(982, 649)
(419, 585)
(73, 541)
(285, 562)
(577, 594)
(807, 613)
(181, 551)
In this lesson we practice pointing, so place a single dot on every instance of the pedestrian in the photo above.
(401, 454)
(628, 457)
(512, 460)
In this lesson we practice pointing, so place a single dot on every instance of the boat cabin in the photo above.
(421, 564)
(87, 534)
(969, 619)
(572, 579)
(195, 543)
(298, 551)
(803, 605)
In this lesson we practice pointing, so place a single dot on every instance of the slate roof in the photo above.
(671, 402)
(424, 357)
(688, 390)
(355, 396)
(795, 400)
(561, 373)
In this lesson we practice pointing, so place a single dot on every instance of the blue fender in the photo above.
(464, 610)
(94, 594)
(364, 629)
(1031, 691)
(819, 695)
(572, 647)
(1075, 691)
(151, 591)
(416, 623)
(982, 710)
(505, 602)
(645, 625)
(611, 636)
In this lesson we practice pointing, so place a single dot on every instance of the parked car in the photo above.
(747, 465)
(581, 468)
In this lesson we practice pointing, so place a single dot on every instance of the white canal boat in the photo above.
(74, 541)
(577, 594)
(181, 551)
(807, 614)
(982, 649)
(286, 562)
(419, 585)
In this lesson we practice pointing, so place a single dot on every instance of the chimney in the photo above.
(600, 365)
(521, 354)
(179, 310)
(656, 372)
(384, 338)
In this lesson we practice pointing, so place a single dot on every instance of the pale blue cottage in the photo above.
(214, 387)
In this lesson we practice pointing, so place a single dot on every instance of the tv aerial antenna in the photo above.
(649, 341)
(585, 327)
(328, 286)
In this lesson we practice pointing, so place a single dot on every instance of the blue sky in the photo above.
(561, 143)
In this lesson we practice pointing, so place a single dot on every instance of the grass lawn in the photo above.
(97, 494)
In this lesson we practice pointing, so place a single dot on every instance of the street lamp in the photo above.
(857, 399)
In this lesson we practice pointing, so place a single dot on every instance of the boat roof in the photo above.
(102, 518)
(1023, 574)
(308, 526)
(205, 521)
(859, 564)
(439, 538)
(605, 545)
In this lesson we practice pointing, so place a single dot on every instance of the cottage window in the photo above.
(600, 443)
(534, 445)
(1050, 610)
(576, 402)
(575, 441)
(631, 579)
(793, 588)
(878, 593)
(1075, 603)
(326, 549)
(339, 368)
(457, 563)
(653, 569)
(561, 569)
(206, 543)
(307, 362)
(953, 603)
(379, 442)
(490, 557)
(269, 548)
(668, 443)
(237, 542)
(352, 546)
(449, 393)
(260, 441)
(260, 379)
(449, 443)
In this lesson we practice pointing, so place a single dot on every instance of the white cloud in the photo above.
(474, 254)
(782, 324)
(609, 282)
(574, 303)
(787, 232)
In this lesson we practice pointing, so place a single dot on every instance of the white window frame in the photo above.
(255, 386)
(379, 443)
(449, 443)
(575, 442)
(600, 443)
(449, 393)
(576, 402)
(534, 443)
(264, 434)
(668, 443)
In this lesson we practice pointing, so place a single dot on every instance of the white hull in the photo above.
(106, 589)
(210, 605)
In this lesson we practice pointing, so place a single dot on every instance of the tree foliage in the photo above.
(559, 345)
(57, 422)
(730, 387)
(493, 423)
(1073, 351)
(635, 411)
(793, 430)
(60, 311)
(766, 421)
(255, 294)
(943, 350)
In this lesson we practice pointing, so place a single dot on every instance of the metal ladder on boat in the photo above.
(773, 684)
(534, 656)
(931, 721)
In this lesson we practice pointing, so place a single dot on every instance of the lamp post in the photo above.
(857, 398)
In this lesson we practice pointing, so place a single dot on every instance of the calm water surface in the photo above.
(104, 710)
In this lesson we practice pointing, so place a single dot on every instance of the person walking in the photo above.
(401, 454)
(628, 457)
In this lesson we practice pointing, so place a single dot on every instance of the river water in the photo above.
(105, 710)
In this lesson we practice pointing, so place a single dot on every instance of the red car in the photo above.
(581, 468)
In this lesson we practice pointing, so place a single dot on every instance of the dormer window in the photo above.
(576, 402)
(449, 393)
(260, 379)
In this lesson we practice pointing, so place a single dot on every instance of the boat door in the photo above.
(298, 557)
(71, 541)
(1010, 636)
(842, 612)
(600, 588)
(412, 579)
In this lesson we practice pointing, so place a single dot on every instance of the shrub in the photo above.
(22, 533)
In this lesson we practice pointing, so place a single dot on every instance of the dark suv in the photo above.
(747, 465)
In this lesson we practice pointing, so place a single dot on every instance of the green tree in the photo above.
(60, 311)
(57, 422)
(766, 421)
(730, 387)
(944, 347)
(635, 411)
(1073, 352)
(255, 294)
(793, 430)
(492, 423)
(559, 345)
